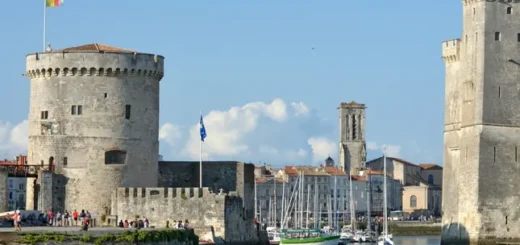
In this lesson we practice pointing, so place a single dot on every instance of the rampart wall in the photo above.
(230, 176)
(202, 208)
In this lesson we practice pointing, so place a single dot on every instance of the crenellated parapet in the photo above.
(94, 71)
(109, 62)
(451, 50)
(170, 193)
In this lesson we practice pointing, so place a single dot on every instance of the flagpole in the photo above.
(44, 23)
(200, 167)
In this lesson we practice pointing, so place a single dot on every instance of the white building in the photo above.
(17, 193)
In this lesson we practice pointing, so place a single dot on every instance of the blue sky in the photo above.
(266, 55)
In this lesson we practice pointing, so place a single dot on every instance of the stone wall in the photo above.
(202, 208)
(231, 176)
(4, 191)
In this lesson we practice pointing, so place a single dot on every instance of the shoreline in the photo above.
(415, 229)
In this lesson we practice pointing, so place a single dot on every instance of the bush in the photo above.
(125, 237)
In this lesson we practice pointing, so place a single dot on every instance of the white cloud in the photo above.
(322, 148)
(257, 131)
(170, 133)
(13, 138)
(371, 145)
(391, 150)
(300, 109)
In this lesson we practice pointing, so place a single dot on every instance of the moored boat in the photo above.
(308, 237)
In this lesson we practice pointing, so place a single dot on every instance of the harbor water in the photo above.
(415, 240)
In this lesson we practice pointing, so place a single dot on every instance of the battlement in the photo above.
(83, 71)
(451, 50)
(53, 64)
(170, 193)
(352, 105)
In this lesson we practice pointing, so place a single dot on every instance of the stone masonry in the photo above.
(4, 191)
(482, 126)
(94, 119)
(352, 144)
(230, 176)
(224, 213)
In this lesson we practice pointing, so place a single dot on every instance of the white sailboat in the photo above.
(385, 238)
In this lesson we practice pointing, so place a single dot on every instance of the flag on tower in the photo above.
(202, 130)
(53, 3)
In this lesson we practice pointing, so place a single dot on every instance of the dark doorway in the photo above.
(51, 163)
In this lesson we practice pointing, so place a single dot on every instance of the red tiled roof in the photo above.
(263, 180)
(358, 178)
(96, 47)
(306, 170)
(373, 172)
(429, 166)
(335, 171)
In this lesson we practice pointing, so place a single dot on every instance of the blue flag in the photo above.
(202, 130)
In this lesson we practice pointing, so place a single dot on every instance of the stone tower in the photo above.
(352, 146)
(93, 119)
(482, 125)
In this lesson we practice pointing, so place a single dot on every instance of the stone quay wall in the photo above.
(214, 216)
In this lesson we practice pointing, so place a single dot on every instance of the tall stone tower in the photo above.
(352, 145)
(93, 119)
(482, 125)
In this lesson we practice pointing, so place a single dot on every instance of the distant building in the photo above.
(16, 185)
(422, 184)
(329, 162)
(269, 199)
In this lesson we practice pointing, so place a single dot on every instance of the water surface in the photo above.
(416, 240)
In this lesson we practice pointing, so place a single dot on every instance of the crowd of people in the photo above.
(75, 218)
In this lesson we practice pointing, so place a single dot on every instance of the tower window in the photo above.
(354, 127)
(516, 153)
(76, 110)
(494, 153)
(497, 36)
(518, 37)
(45, 114)
(499, 92)
(509, 10)
(106, 95)
(65, 161)
(115, 157)
(127, 111)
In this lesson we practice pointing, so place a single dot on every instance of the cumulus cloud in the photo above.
(170, 133)
(391, 150)
(273, 131)
(322, 148)
(300, 109)
(13, 138)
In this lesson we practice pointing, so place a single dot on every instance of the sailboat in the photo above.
(385, 238)
(304, 236)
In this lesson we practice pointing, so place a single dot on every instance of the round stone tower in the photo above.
(94, 120)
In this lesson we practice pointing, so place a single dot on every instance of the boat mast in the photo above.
(351, 206)
(275, 204)
(335, 203)
(308, 199)
(369, 196)
(385, 214)
(316, 216)
(269, 214)
(283, 205)
(302, 198)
